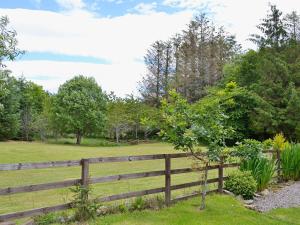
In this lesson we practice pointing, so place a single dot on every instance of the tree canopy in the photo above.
(80, 107)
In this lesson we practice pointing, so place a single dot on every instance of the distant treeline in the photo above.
(259, 91)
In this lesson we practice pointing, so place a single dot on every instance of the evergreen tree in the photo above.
(273, 30)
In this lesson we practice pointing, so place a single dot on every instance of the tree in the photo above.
(8, 42)
(155, 84)
(80, 107)
(188, 62)
(292, 24)
(273, 30)
(239, 104)
(187, 128)
(32, 97)
(9, 104)
(118, 117)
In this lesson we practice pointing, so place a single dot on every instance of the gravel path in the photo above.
(286, 197)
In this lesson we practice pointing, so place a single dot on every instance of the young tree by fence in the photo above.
(187, 128)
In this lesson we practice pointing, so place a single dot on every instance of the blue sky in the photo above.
(107, 39)
(102, 7)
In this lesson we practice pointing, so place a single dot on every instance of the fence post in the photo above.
(167, 180)
(278, 166)
(85, 175)
(220, 176)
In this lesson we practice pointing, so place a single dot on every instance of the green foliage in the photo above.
(272, 29)
(270, 80)
(241, 183)
(261, 168)
(9, 105)
(80, 107)
(239, 104)
(32, 98)
(138, 204)
(187, 126)
(248, 149)
(130, 118)
(85, 208)
(279, 142)
(290, 162)
(46, 219)
(8, 42)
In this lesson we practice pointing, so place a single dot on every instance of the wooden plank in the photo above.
(192, 184)
(68, 163)
(189, 170)
(130, 195)
(8, 223)
(84, 172)
(34, 212)
(128, 176)
(231, 165)
(39, 165)
(220, 176)
(167, 180)
(185, 197)
(39, 187)
(29, 222)
(135, 158)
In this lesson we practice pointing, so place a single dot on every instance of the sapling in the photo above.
(188, 128)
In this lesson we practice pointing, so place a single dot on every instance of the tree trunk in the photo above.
(204, 188)
(136, 132)
(78, 138)
(117, 134)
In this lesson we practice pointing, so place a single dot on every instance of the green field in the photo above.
(13, 152)
(221, 209)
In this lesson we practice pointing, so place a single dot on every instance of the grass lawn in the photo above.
(221, 210)
(15, 152)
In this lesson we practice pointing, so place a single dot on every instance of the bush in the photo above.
(290, 162)
(249, 149)
(46, 219)
(138, 204)
(85, 208)
(279, 142)
(241, 183)
(262, 169)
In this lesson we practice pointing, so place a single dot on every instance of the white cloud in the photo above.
(116, 39)
(146, 8)
(120, 40)
(71, 4)
(191, 4)
(122, 78)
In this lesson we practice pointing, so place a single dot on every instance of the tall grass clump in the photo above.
(261, 168)
(290, 162)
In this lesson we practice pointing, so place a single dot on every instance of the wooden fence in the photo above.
(87, 180)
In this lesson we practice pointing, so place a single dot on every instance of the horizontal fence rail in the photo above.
(85, 180)
(69, 163)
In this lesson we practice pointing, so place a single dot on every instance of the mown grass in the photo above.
(220, 210)
(15, 152)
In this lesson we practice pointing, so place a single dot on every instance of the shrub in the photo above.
(249, 149)
(279, 142)
(290, 162)
(262, 169)
(138, 204)
(85, 208)
(46, 219)
(241, 183)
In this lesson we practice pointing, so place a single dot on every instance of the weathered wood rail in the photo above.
(86, 180)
